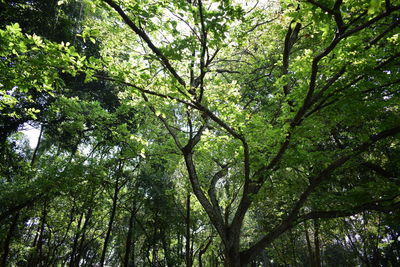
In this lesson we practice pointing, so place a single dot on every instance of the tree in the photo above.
(285, 118)
(208, 132)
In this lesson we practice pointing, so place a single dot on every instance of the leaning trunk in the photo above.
(83, 238)
(9, 237)
(110, 223)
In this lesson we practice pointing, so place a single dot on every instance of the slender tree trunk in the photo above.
(155, 251)
(76, 239)
(317, 244)
(309, 247)
(83, 238)
(180, 245)
(35, 153)
(7, 242)
(14, 220)
(200, 259)
(166, 248)
(111, 221)
(188, 257)
(376, 257)
(129, 259)
(53, 261)
(293, 243)
(39, 248)
(204, 250)
(48, 258)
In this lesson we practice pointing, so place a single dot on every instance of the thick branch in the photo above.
(195, 139)
(203, 51)
(313, 77)
(143, 90)
(290, 39)
(382, 34)
(321, 6)
(338, 37)
(328, 84)
(378, 169)
(338, 16)
(18, 207)
(316, 180)
(164, 121)
(288, 222)
(142, 34)
(212, 212)
(211, 191)
(372, 206)
(370, 22)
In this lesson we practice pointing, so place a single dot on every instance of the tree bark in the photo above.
(309, 247)
(129, 258)
(81, 243)
(204, 250)
(111, 221)
(166, 248)
(53, 259)
(232, 257)
(39, 248)
(7, 242)
(317, 244)
(188, 257)
(293, 243)
(75, 244)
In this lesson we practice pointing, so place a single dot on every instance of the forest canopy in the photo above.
(200, 133)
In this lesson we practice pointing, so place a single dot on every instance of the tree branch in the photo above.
(203, 51)
(211, 190)
(290, 39)
(378, 169)
(142, 34)
(164, 121)
(212, 212)
(141, 89)
(289, 221)
(372, 206)
(321, 6)
(382, 34)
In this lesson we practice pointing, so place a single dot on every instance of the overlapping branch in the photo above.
(142, 34)
(290, 219)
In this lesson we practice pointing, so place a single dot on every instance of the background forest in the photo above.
(200, 133)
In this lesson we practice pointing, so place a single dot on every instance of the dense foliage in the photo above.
(200, 133)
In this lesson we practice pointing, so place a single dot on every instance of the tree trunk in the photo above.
(110, 222)
(129, 259)
(180, 245)
(166, 248)
(39, 247)
(188, 258)
(232, 257)
(317, 245)
(35, 152)
(75, 244)
(204, 250)
(293, 243)
(8, 240)
(309, 247)
(83, 238)
(53, 261)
